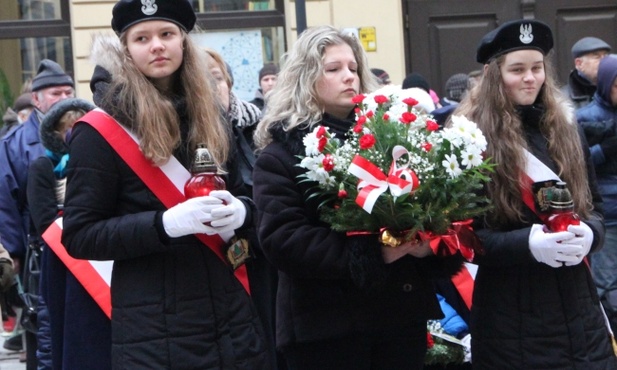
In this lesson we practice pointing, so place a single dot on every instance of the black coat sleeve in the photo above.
(41, 194)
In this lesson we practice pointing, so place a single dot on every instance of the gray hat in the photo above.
(456, 86)
(267, 70)
(587, 45)
(50, 74)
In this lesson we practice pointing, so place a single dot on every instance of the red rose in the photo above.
(380, 99)
(367, 141)
(410, 101)
(427, 147)
(358, 99)
(322, 143)
(408, 117)
(328, 163)
(432, 125)
(361, 120)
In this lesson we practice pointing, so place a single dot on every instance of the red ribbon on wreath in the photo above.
(459, 237)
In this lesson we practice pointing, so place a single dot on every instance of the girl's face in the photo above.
(157, 50)
(221, 84)
(339, 82)
(523, 75)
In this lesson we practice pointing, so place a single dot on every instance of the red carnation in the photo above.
(386, 116)
(321, 132)
(432, 125)
(367, 141)
(427, 147)
(361, 120)
(410, 101)
(357, 129)
(380, 99)
(328, 163)
(408, 117)
(322, 143)
(358, 99)
(369, 114)
(342, 193)
(429, 340)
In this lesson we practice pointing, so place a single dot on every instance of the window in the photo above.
(31, 30)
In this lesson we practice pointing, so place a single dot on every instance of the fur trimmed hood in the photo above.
(47, 130)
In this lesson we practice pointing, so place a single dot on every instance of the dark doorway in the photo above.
(441, 36)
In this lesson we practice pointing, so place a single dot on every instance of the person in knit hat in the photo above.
(267, 80)
(599, 122)
(456, 87)
(18, 149)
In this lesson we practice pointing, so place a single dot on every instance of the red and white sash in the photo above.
(166, 182)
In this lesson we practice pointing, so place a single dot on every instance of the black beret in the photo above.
(587, 45)
(515, 35)
(50, 74)
(129, 12)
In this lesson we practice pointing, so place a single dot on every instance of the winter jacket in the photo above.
(258, 100)
(526, 314)
(175, 304)
(579, 89)
(18, 149)
(330, 285)
(452, 323)
(599, 121)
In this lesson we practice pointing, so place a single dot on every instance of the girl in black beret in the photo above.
(534, 305)
(175, 302)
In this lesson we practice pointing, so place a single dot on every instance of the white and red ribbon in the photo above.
(373, 182)
(94, 276)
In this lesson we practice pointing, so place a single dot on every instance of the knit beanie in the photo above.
(456, 86)
(268, 69)
(50, 74)
(416, 80)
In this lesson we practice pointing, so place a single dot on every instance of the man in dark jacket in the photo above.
(599, 121)
(267, 81)
(587, 53)
(17, 150)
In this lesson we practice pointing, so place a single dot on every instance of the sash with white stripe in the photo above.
(167, 184)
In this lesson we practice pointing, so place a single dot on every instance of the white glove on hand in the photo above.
(229, 216)
(188, 217)
(467, 344)
(584, 238)
(552, 248)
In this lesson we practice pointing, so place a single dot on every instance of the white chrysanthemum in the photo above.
(311, 143)
(471, 157)
(451, 164)
(312, 163)
(477, 139)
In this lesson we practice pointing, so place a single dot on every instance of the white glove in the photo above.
(584, 238)
(188, 217)
(229, 216)
(552, 248)
(466, 340)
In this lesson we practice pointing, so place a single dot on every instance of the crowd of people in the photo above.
(249, 277)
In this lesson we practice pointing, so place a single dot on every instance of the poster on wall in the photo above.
(243, 52)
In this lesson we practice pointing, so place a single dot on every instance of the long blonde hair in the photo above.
(294, 100)
(489, 106)
(151, 112)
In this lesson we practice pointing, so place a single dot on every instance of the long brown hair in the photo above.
(489, 106)
(152, 114)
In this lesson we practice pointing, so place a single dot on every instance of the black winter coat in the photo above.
(329, 284)
(175, 304)
(528, 315)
